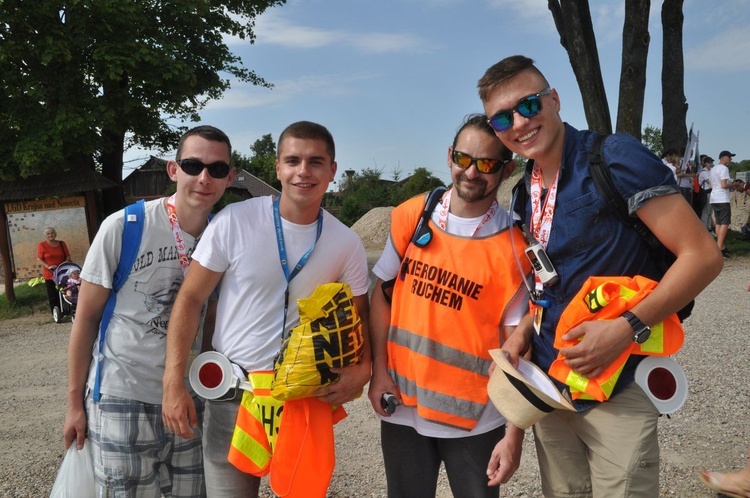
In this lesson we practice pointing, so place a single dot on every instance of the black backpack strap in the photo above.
(422, 233)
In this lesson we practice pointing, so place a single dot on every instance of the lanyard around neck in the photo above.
(445, 205)
(282, 253)
(179, 240)
(542, 212)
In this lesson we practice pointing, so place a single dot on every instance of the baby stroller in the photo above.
(67, 291)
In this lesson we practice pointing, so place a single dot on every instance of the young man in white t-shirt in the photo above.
(241, 252)
(133, 454)
(720, 187)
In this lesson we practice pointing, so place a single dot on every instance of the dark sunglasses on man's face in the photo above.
(193, 167)
(528, 107)
(484, 165)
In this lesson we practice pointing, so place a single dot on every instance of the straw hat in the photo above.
(524, 395)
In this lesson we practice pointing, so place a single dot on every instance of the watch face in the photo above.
(642, 335)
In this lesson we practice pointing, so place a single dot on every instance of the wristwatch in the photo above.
(641, 331)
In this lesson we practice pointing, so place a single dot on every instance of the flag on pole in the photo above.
(692, 142)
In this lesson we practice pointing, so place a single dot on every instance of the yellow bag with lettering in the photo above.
(329, 335)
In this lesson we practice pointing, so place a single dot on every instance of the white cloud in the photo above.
(272, 29)
(242, 96)
(728, 51)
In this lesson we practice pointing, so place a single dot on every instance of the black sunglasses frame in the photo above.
(521, 103)
(194, 167)
(499, 163)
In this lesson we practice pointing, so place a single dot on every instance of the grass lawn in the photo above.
(29, 301)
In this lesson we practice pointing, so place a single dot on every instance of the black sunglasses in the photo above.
(193, 167)
(528, 107)
(484, 165)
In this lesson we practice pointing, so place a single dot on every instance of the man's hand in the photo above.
(603, 342)
(178, 410)
(380, 384)
(506, 457)
(518, 343)
(349, 386)
(74, 428)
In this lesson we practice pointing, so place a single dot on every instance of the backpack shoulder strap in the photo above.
(422, 233)
(603, 180)
(132, 232)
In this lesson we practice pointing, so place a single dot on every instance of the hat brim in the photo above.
(524, 395)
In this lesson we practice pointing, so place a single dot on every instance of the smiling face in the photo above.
(305, 169)
(540, 137)
(471, 185)
(200, 192)
(50, 234)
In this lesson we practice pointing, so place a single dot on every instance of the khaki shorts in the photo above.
(611, 450)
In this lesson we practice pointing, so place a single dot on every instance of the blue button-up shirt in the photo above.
(587, 239)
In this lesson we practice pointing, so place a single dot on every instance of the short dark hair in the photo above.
(504, 71)
(307, 130)
(479, 122)
(207, 132)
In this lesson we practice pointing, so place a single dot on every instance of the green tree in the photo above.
(262, 161)
(420, 181)
(81, 82)
(652, 139)
(362, 192)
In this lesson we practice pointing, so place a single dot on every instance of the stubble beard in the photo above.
(476, 195)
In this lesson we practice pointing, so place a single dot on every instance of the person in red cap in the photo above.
(720, 187)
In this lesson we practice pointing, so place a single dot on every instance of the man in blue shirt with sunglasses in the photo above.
(456, 292)
(608, 448)
(133, 453)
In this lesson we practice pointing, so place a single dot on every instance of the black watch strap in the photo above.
(641, 331)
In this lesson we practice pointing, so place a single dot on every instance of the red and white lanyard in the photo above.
(179, 240)
(542, 212)
(445, 204)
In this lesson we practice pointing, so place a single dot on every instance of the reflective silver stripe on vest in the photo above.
(444, 354)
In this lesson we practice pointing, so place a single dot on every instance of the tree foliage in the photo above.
(83, 80)
(262, 162)
(652, 139)
(365, 190)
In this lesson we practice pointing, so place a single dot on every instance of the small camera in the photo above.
(389, 403)
(541, 264)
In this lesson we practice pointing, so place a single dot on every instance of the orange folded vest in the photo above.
(297, 449)
(606, 298)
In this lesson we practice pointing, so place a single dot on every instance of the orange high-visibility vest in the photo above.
(449, 303)
(606, 298)
(257, 425)
(297, 448)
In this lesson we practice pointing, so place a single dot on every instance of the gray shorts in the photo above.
(134, 455)
(723, 213)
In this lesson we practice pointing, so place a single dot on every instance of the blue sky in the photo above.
(392, 79)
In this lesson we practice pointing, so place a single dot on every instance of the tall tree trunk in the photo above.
(573, 22)
(635, 41)
(114, 144)
(674, 104)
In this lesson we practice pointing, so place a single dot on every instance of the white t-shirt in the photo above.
(387, 268)
(719, 195)
(135, 340)
(241, 243)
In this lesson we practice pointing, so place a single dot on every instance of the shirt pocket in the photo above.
(586, 222)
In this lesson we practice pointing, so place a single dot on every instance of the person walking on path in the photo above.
(133, 453)
(50, 253)
(720, 187)
(609, 448)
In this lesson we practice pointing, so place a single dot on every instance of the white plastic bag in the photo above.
(75, 479)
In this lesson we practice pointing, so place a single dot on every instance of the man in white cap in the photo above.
(720, 187)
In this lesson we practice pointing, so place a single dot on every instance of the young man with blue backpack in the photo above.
(131, 275)
(605, 448)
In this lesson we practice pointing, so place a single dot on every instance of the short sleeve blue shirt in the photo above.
(587, 239)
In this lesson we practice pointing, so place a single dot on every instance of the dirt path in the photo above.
(711, 431)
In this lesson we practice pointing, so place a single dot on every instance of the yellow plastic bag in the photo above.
(329, 335)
